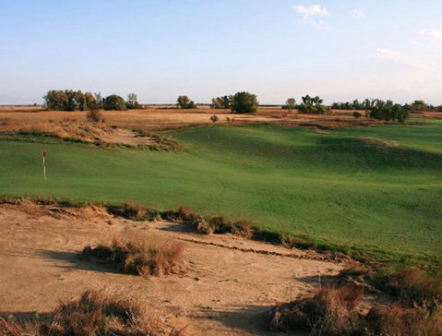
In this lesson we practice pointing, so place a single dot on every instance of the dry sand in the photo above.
(229, 285)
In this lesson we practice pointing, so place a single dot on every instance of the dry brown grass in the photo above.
(394, 320)
(157, 118)
(137, 256)
(331, 312)
(414, 287)
(92, 315)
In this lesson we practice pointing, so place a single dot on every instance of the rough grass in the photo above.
(327, 187)
(136, 256)
(411, 286)
(333, 311)
(330, 311)
(92, 315)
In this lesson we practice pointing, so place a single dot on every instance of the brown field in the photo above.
(164, 118)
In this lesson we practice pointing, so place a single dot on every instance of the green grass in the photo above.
(332, 187)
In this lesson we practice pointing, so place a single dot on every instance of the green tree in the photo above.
(114, 102)
(185, 103)
(90, 102)
(132, 101)
(419, 106)
(313, 105)
(224, 102)
(291, 104)
(55, 100)
(389, 111)
(244, 102)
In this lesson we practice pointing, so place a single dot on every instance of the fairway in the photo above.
(342, 187)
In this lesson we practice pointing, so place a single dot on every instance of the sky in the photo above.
(339, 50)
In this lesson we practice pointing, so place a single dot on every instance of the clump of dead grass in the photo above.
(412, 286)
(395, 320)
(138, 257)
(331, 312)
(92, 315)
(334, 311)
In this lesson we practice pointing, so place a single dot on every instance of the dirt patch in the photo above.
(229, 283)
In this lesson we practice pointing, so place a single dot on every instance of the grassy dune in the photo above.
(371, 187)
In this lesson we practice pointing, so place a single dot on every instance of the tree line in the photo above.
(71, 100)
(241, 102)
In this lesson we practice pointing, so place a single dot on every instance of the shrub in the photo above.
(131, 211)
(357, 114)
(92, 315)
(329, 312)
(132, 101)
(224, 102)
(395, 320)
(186, 214)
(185, 103)
(244, 102)
(114, 102)
(135, 256)
(214, 118)
(94, 115)
(411, 286)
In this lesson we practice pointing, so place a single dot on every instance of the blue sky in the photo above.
(159, 49)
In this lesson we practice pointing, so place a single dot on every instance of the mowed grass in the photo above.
(335, 187)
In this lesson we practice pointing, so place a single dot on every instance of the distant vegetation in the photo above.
(70, 100)
(367, 104)
(224, 102)
(244, 102)
(312, 105)
(185, 103)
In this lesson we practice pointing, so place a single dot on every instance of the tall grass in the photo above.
(92, 315)
(136, 256)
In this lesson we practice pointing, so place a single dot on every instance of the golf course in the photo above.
(375, 188)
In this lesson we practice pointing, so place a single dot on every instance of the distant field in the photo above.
(167, 117)
(377, 187)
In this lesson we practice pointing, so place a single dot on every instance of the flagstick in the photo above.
(44, 168)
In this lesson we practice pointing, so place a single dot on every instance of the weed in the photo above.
(135, 256)
(92, 314)
(329, 312)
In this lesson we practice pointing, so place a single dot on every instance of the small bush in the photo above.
(186, 214)
(131, 211)
(329, 312)
(396, 320)
(411, 286)
(94, 116)
(91, 315)
(357, 114)
(135, 256)
(214, 118)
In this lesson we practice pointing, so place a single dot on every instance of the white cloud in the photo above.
(357, 13)
(388, 55)
(427, 63)
(309, 14)
(431, 34)
(311, 10)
